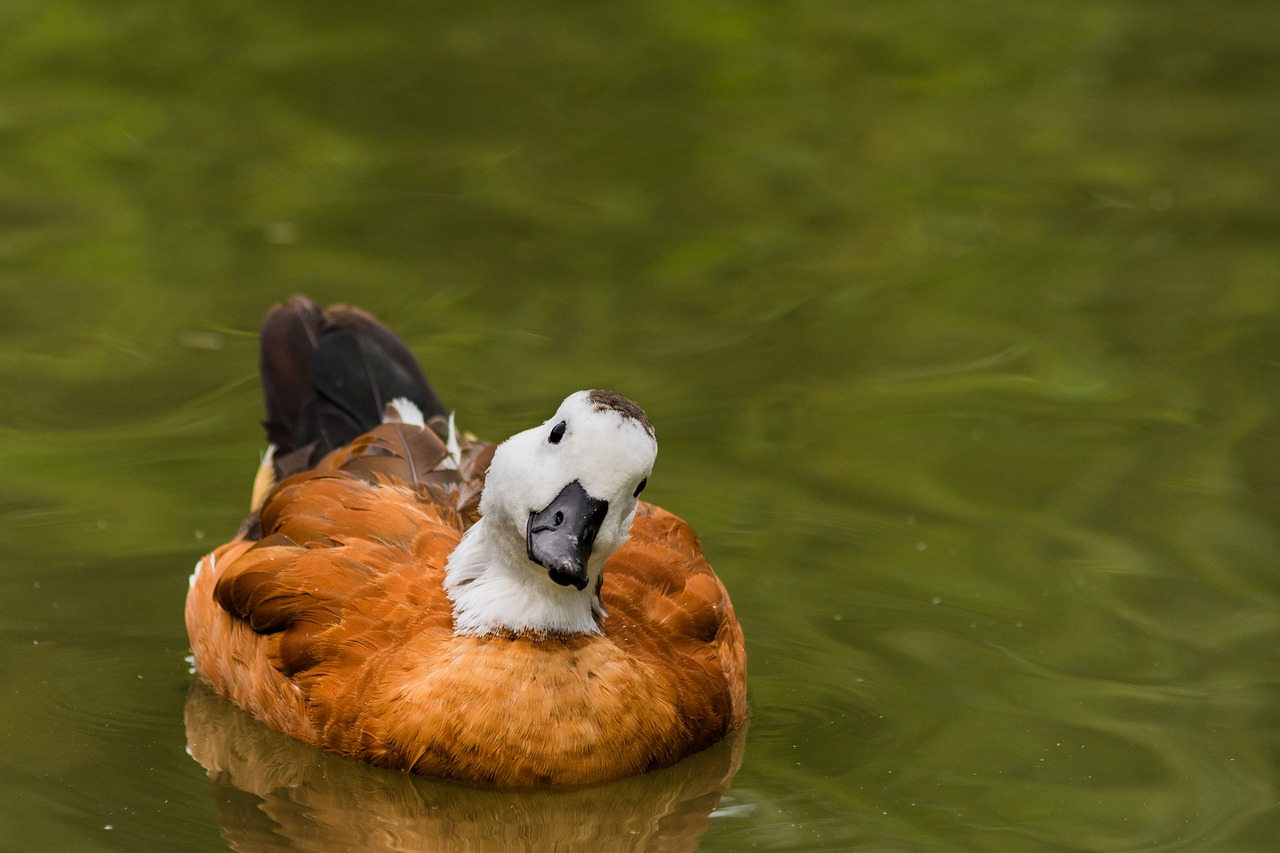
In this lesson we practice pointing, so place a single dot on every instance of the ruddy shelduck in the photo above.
(414, 597)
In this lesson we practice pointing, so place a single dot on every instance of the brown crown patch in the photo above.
(622, 405)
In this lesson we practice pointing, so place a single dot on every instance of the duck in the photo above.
(411, 596)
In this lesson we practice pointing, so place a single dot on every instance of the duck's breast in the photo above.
(336, 629)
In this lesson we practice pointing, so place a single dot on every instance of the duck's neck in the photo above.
(495, 588)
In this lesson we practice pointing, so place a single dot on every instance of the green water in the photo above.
(959, 325)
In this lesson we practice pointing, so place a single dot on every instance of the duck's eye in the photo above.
(640, 488)
(557, 432)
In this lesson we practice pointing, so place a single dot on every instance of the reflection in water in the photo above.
(274, 793)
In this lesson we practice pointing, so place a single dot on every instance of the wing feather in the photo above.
(662, 595)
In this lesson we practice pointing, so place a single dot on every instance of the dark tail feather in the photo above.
(327, 377)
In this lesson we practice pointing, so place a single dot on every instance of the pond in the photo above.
(959, 326)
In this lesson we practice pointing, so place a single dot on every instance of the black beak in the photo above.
(562, 533)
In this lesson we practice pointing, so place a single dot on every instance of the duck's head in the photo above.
(558, 500)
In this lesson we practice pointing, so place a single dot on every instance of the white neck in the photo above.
(494, 587)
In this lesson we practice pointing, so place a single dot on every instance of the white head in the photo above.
(558, 500)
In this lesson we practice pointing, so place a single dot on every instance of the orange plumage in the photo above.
(327, 618)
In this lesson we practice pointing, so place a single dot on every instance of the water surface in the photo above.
(958, 325)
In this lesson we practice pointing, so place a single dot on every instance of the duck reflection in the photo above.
(274, 793)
